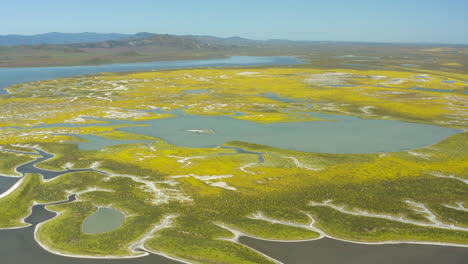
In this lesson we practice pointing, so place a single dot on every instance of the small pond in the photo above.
(102, 221)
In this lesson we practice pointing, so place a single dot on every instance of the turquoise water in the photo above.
(103, 220)
(345, 135)
(196, 91)
(338, 134)
(97, 142)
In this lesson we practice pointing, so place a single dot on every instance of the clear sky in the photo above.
(441, 21)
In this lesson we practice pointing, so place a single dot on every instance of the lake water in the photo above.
(432, 90)
(345, 135)
(7, 182)
(103, 220)
(96, 142)
(330, 251)
(337, 134)
(11, 76)
(197, 91)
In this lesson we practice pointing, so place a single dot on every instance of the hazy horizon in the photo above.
(299, 40)
(398, 21)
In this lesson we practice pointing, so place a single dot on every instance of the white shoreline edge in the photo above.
(12, 188)
(237, 234)
(47, 248)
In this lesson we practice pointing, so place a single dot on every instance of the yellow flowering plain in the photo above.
(191, 203)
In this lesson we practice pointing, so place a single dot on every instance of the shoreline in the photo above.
(235, 239)
(208, 57)
(295, 60)
(237, 234)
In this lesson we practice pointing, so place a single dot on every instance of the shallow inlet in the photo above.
(17, 246)
(97, 142)
(432, 90)
(197, 91)
(103, 220)
(7, 182)
(330, 251)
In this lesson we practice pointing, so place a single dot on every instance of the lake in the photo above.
(11, 76)
(103, 220)
(341, 134)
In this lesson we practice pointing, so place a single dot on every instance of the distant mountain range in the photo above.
(134, 40)
(145, 40)
(58, 38)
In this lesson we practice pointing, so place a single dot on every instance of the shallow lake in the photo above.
(197, 91)
(103, 220)
(11, 76)
(336, 134)
(96, 142)
(345, 135)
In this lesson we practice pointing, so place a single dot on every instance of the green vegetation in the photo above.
(16, 206)
(9, 161)
(366, 229)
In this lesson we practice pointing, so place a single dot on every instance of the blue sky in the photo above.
(441, 21)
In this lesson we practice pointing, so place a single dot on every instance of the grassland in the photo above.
(9, 162)
(56, 55)
(193, 203)
(383, 94)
